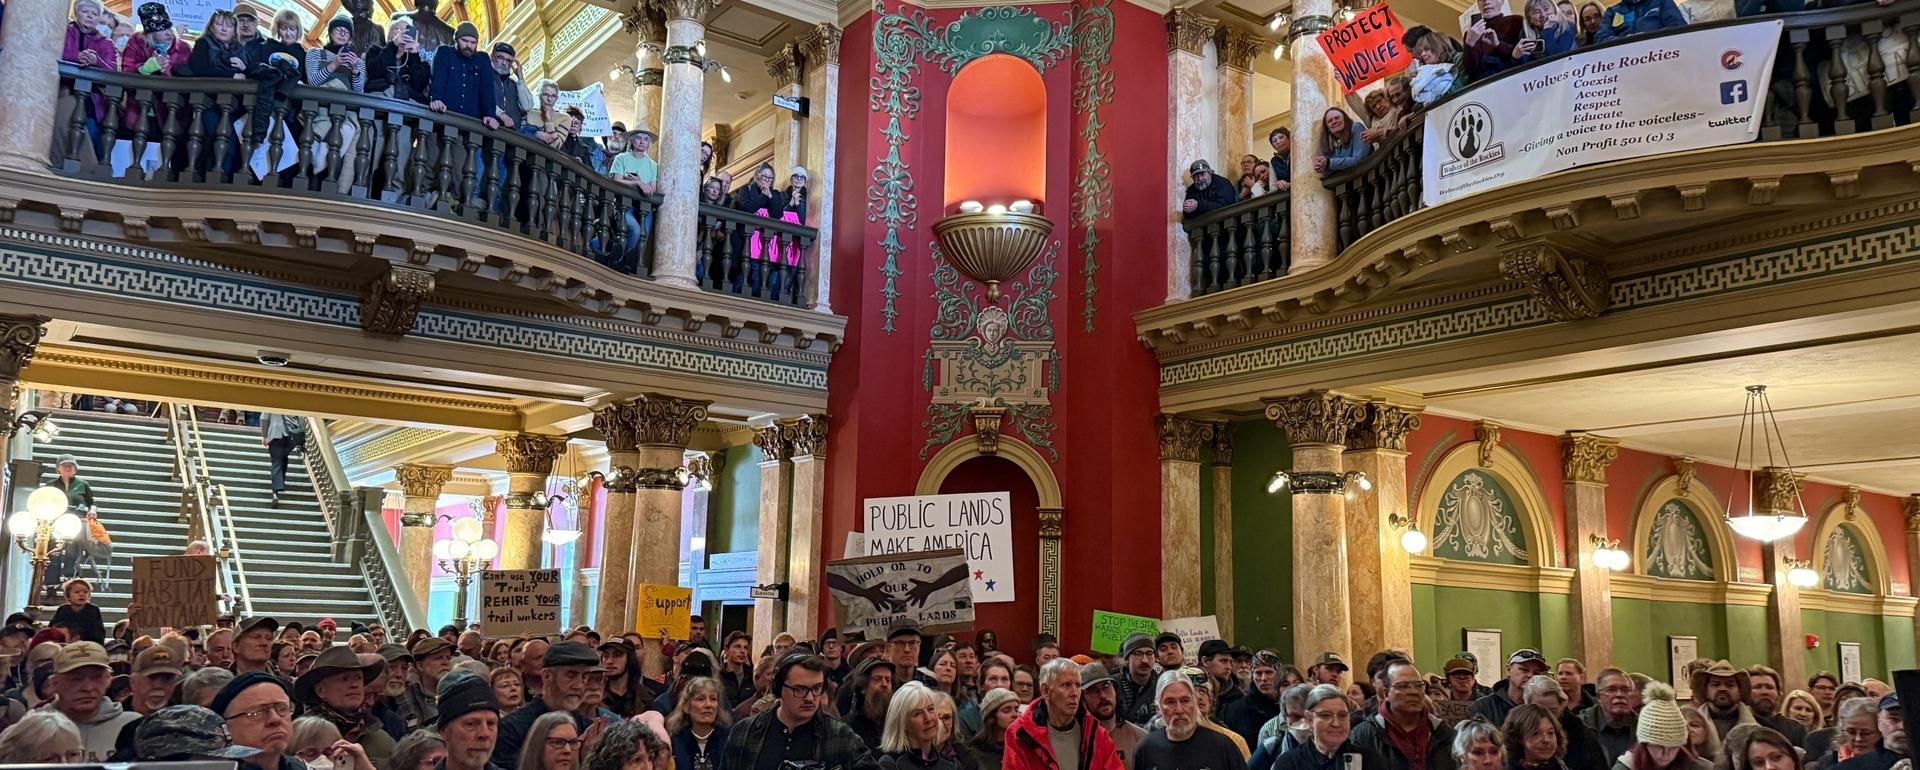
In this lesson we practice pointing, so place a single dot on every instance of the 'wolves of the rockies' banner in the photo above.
(872, 593)
(1663, 94)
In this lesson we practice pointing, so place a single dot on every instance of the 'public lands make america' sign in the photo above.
(978, 523)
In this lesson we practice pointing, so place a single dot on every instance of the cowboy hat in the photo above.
(335, 660)
(1719, 669)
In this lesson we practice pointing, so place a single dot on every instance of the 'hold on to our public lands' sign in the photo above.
(929, 588)
(980, 524)
(1366, 48)
(174, 591)
(519, 601)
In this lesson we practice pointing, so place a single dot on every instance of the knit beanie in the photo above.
(994, 699)
(461, 693)
(466, 29)
(1661, 723)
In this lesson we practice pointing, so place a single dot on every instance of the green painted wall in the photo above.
(1746, 637)
(1262, 540)
(1440, 612)
(1885, 643)
(1641, 628)
(734, 522)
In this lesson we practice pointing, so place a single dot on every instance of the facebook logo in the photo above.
(1733, 92)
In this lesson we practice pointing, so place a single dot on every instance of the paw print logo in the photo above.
(1470, 129)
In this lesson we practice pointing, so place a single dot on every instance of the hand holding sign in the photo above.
(1366, 48)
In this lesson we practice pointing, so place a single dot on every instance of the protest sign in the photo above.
(1664, 94)
(1193, 631)
(194, 14)
(979, 523)
(592, 102)
(1112, 628)
(519, 601)
(174, 591)
(666, 612)
(872, 593)
(1366, 48)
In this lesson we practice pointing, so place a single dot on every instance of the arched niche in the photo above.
(996, 132)
(1705, 510)
(1532, 515)
(1046, 489)
(1865, 542)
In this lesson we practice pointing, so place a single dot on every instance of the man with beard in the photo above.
(1723, 691)
(259, 714)
(155, 671)
(871, 685)
(512, 99)
(1524, 664)
(427, 26)
(432, 659)
(696, 626)
(1893, 739)
(253, 646)
(1611, 720)
(1134, 687)
(1246, 715)
(1055, 732)
(1763, 696)
(1327, 669)
(563, 688)
(1404, 731)
(1097, 693)
(469, 722)
(394, 693)
(1184, 744)
(335, 690)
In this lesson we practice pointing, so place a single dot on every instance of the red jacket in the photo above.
(1028, 747)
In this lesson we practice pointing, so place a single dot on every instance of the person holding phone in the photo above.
(397, 69)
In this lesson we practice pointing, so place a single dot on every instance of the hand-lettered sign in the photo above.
(933, 589)
(174, 591)
(519, 601)
(1366, 48)
(666, 612)
(980, 524)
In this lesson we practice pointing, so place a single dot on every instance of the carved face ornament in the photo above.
(993, 329)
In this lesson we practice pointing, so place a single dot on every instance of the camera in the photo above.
(272, 357)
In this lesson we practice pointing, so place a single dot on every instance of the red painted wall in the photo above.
(1107, 467)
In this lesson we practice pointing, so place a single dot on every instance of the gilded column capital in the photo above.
(422, 480)
(619, 423)
(1188, 31)
(1181, 438)
(1776, 491)
(1913, 514)
(685, 10)
(646, 23)
(821, 46)
(667, 421)
(807, 435)
(1051, 520)
(773, 443)
(1237, 48)
(20, 336)
(1315, 417)
(1684, 470)
(1222, 444)
(1487, 434)
(705, 465)
(1384, 425)
(529, 452)
(1586, 456)
(785, 66)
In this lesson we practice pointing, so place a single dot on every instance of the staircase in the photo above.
(285, 552)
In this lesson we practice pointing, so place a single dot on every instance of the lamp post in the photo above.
(44, 527)
(467, 552)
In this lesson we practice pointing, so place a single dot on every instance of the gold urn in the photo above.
(992, 247)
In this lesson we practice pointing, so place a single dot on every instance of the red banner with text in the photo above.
(1366, 48)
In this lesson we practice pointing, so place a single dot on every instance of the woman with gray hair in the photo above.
(912, 736)
(1583, 750)
(1329, 745)
(44, 737)
(1476, 745)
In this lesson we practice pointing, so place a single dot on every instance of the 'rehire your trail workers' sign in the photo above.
(519, 601)
(980, 524)
(1366, 48)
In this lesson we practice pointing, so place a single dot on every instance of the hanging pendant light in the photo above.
(1782, 513)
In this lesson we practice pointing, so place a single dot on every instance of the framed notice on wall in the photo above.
(1849, 661)
(1484, 643)
(1681, 650)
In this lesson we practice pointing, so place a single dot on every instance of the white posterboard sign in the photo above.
(194, 14)
(1484, 643)
(592, 102)
(1681, 650)
(1193, 631)
(1664, 94)
(978, 523)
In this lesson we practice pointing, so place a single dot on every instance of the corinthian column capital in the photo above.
(1188, 31)
(1316, 417)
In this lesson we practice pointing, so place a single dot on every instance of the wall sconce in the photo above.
(1800, 573)
(1608, 555)
(1411, 539)
(1319, 482)
(993, 243)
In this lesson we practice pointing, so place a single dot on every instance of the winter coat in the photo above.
(139, 51)
(408, 75)
(1373, 734)
(1632, 17)
(834, 744)
(465, 84)
(1030, 748)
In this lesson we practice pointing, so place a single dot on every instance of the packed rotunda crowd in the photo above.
(277, 696)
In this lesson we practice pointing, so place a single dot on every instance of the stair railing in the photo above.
(360, 534)
(205, 507)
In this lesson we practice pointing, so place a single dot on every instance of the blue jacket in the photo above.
(1632, 17)
(1349, 155)
(466, 84)
(1553, 42)
(684, 746)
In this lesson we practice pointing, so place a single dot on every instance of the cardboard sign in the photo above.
(1193, 631)
(519, 601)
(1112, 628)
(931, 588)
(593, 110)
(1366, 48)
(980, 524)
(666, 612)
(175, 591)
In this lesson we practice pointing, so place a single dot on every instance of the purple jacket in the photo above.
(88, 40)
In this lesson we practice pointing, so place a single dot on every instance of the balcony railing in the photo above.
(1244, 243)
(206, 133)
(1817, 50)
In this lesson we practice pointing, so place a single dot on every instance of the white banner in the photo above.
(872, 594)
(979, 523)
(1665, 94)
(593, 104)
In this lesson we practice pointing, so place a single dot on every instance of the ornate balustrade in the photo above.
(328, 144)
(1241, 244)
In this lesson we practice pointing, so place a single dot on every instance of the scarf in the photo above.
(351, 724)
(1411, 743)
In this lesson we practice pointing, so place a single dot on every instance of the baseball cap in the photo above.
(1212, 647)
(1331, 659)
(1092, 674)
(79, 655)
(1460, 664)
(158, 659)
(1891, 700)
(185, 732)
(1240, 652)
(903, 628)
(1527, 655)
(1199, 166)
(251, 624)
(392, 652)
(1166, 637)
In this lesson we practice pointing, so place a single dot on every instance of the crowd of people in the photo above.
(289, 697)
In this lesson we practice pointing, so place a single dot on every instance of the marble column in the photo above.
(1180, 443)
(1222, 480)
(785, 65)
(1317, 425)
(1585, 458)
(590, 527)
(1236, 49)
(820, 51)
(529, 459)
(649, 29)
(674, 227)
(618, 423)
(1913, 552)
(665, 424)
(776, 475)
(807, 436)
(421, 484)
(1314, 90)
(1381, 590)
(32, 39)
(1188, 106)
(1775, 491)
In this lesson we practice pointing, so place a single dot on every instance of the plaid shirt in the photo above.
(835, 746)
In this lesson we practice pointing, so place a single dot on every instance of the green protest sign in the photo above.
(1112, 628)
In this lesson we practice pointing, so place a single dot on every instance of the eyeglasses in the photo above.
(282, 710)
(564, 743)
(1407, 686)
(806, 692)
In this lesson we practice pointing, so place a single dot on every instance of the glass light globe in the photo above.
(486, 550)
(442, 550)
(1414, 541)
(457, 549)
(46, 503)
(1766, 527)
(466, 529)
(1802, 577)
(1365, 484)
(21, 524)
(1277, 482)
(1021, 207)
(67, 527)
(971, 207)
